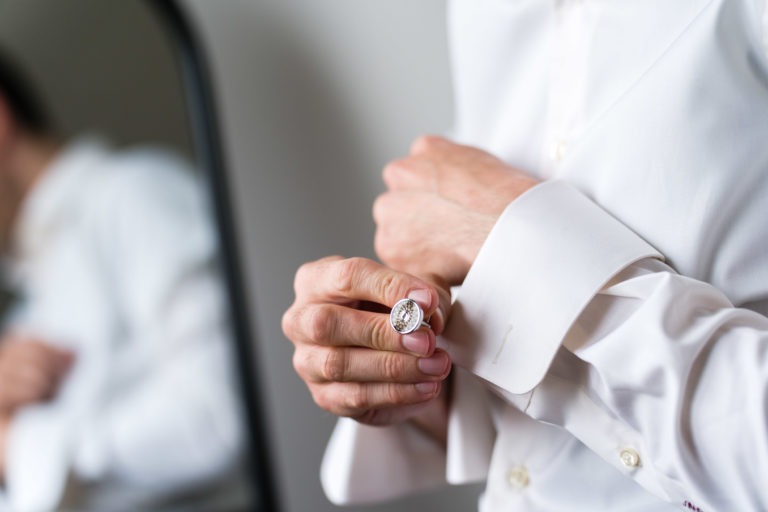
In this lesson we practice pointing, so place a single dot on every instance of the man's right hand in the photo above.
(30, 370)
(353, 362)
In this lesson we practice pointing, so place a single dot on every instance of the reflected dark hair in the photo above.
(21, 98)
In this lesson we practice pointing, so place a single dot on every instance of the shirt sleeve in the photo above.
(581, 325)
(365, 464)
(179, 424)
(359, 458)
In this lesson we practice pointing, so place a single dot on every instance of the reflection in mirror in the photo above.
(117, 377)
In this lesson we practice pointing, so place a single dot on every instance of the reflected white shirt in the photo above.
(607, 380)
(116, 260)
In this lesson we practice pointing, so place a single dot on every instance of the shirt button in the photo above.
(629, 457)
(518, 477)
(557, 151)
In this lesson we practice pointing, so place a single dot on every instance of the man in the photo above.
(589, 374)
(116, 384)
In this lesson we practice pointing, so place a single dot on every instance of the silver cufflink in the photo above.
(407, 316)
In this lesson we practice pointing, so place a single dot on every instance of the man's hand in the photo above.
(351, 359)
(30, 371)
(442, 202)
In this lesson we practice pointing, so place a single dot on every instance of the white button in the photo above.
(518, 477)
(557, 151)
(629, 457)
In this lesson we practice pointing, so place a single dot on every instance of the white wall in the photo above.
(99, 66)
(315, 97)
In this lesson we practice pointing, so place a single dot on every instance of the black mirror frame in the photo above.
(199, 98)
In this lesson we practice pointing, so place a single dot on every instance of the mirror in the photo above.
(121, 376)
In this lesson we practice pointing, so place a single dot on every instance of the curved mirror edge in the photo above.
(203, 115)
(186, 125)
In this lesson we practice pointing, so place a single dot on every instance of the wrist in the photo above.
(475, 236)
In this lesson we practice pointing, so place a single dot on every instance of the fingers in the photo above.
(342, 280)
(27, 383)
(362, 400)
(334, 325)
(348, 364)
(325, 290)
(354, 363)
(51, 359)
(47, 359)
(431, 144)
(413, 173)
(31, 371)
(420, 169)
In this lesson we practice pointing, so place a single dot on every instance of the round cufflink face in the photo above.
(406, 316)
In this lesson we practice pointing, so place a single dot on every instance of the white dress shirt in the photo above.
(611, 338)
(116, 260)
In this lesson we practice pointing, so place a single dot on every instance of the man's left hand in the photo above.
(442, 201)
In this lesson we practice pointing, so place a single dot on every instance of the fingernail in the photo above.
(435, 365)
(426, 388)
(423, 297)
(417, 342)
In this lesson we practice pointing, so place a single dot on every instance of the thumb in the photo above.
(440, 313)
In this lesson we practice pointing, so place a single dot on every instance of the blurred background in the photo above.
(312, 99)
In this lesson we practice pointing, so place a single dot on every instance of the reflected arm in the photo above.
(175, 421)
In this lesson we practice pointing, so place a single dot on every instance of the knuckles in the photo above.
(309, 323)
(347, 272)
(335, 365)
(357, 398)
(318, 323)
(381, 208)
(321, 364)
(287, 323)
(302, 363)
(380, 246)
(426, 144)
(321, 398)
(393, 366)
(304, 274)
(380, 334)
(395, 170)
(308, 274)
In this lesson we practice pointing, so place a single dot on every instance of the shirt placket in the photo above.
(571, 33)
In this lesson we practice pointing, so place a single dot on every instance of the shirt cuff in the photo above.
(550, 252)
(364, 464)
(36, 460)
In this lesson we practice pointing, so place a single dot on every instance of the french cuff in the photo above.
(550, 252)
(364, 464)
(36, 460)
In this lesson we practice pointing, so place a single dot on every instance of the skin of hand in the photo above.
(441, 203)
(30, 371)
(351, 358)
